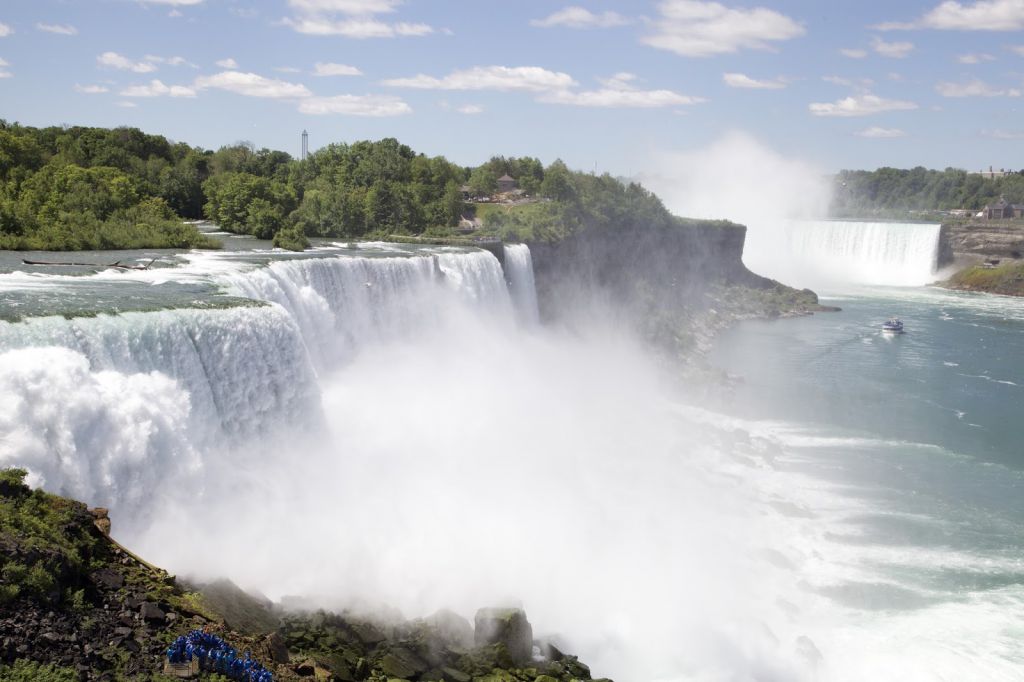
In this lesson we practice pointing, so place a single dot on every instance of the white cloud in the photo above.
(175, 3)
(4, 62)
(694, 28)
(6, 74)
(287, 69)
(127, 105)
(228, 63)
(470, 109)
(619, 98)
(882, 133)
(355, 105)
(156, 88)
(252, 85)
(91, 89)
(332, 69)
(892, 50)
(113, 60)
(354, 7)
(5, 30)
(974, 88)
(1004, 134)
(619, 92)
(739, 80)
(982, 15)
(580, 17)
(853, 53)
(60, 29)
(174, 14)
(320, 17)
(1019, 49)
(860, 105)
(858, 83)
(975, 58)
(533, 78)
(356, 28)
(170, 61)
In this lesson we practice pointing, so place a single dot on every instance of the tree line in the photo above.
(920, 189)
(72, 188)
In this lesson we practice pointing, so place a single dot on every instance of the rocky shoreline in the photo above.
(76, 606)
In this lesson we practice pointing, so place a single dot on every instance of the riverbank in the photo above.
(75, 605)
(1006, 279)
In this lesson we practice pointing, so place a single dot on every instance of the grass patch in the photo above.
(1006, 279)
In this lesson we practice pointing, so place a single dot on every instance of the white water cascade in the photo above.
(519, 269)
(826, 253)
(108, 407)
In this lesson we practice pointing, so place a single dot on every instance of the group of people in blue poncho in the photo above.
(215, 655)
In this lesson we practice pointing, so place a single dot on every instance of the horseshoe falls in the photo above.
(836, 252)
(383, 427)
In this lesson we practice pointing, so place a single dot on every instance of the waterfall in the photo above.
(831, 252)
(519, 268)
(343, 304)
(107, 407)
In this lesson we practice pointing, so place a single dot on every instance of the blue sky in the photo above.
(601, 84)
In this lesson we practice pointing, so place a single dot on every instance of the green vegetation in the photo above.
(576, 202)
(30, 671)
(45, 552)
(90, 188)
(73, 188)
(1006, 279)
(889, 190)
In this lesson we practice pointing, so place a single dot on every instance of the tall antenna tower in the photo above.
(305, 145)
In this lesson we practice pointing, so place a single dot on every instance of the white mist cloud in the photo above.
(741, 179)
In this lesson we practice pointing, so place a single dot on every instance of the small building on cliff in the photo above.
(506, 183)
(1002, 210)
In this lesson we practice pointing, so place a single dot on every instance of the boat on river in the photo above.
(893, 325)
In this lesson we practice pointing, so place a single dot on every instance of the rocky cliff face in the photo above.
(678, 285)
(982, 240)
(75, 605)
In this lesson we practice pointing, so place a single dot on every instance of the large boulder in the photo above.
(508, 627)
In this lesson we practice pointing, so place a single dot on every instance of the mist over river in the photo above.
(383, 426)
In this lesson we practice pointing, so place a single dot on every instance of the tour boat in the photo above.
(893, 325)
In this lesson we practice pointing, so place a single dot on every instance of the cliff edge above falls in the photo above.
(680, 284)
(988, 255)
(75, 605)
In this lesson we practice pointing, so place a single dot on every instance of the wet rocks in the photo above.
(508, 627)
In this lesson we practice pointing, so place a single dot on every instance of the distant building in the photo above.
(1002, 210)
(506, 183)
(992, 174)
(467, 192)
